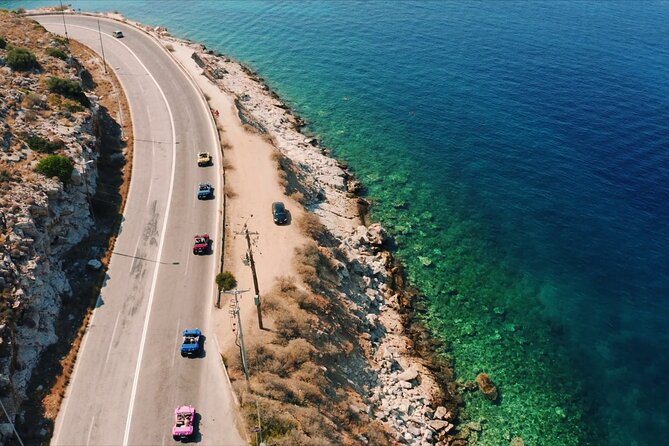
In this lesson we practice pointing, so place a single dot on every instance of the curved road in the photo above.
(129, 375)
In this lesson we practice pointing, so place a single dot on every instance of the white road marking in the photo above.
(111, 339)
(90, 430)
(145, 328)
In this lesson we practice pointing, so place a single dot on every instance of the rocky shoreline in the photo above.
(413, 394)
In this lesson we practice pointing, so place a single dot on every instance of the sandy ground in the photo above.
(252, 182)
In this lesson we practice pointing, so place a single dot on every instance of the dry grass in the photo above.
(315, 266)
(296, 381)
(299, 197)
(227, 165)
(310, 225)
(229, 192)
(277, 156)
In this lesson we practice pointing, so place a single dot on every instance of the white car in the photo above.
(117, 34)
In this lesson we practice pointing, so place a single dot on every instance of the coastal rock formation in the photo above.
(487, 386)
(41, 218)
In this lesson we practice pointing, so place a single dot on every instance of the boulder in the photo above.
(377, 234)
(487, 386)
(441, 413)
(440, 425)
(408, 375)
(94, 264)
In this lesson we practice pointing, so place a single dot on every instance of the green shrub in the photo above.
(57, 53)
(60, 40)
(56, 166)
(225, 281)
(21, 59)
(43, 145)
(3, 43)
(68, 88)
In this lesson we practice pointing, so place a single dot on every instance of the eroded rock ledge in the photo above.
(41, 218)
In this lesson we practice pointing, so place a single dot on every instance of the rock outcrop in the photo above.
(41, 218)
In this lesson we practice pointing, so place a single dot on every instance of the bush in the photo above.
(56, 166)
(3, 43)
(33, 100)
(21, 59)
(225, 281)
(68, 88)
(43, 145)
(311, 226)
(293, 323)
(57, 53)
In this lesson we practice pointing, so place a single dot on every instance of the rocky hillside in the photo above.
(48, 151)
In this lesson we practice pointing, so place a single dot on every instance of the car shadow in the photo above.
(203, 350)
(197, 436)
(202, 353)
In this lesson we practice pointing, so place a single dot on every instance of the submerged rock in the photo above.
(94, 264)
(487, 386)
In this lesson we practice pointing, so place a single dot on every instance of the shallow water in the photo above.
(519, 153)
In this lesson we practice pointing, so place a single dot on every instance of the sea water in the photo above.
(519, 154)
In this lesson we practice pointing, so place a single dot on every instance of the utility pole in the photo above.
(104, 62)
(62, 11)
(234, 314)
(252, 263)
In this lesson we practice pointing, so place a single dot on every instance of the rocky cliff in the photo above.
(41, 217)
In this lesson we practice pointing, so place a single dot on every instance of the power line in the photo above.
(252, 264)
(62, 11)
(102, 48)
(234, 314)
(11, 422)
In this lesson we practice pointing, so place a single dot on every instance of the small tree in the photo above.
(225, 281)
(3, 43)
(69, 89)
(56, 166)
(21, 59)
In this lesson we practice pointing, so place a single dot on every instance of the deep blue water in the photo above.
(518, 149)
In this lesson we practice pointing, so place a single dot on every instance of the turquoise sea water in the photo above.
(519, 153)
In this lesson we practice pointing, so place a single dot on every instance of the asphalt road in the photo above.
(129, 375)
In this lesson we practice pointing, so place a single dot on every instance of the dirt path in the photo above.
(252, 183)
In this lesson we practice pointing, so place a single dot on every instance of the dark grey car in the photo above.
(279, 213)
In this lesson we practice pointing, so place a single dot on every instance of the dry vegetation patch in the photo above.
(305, 374)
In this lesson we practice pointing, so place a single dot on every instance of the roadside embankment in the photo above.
(57, 184)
